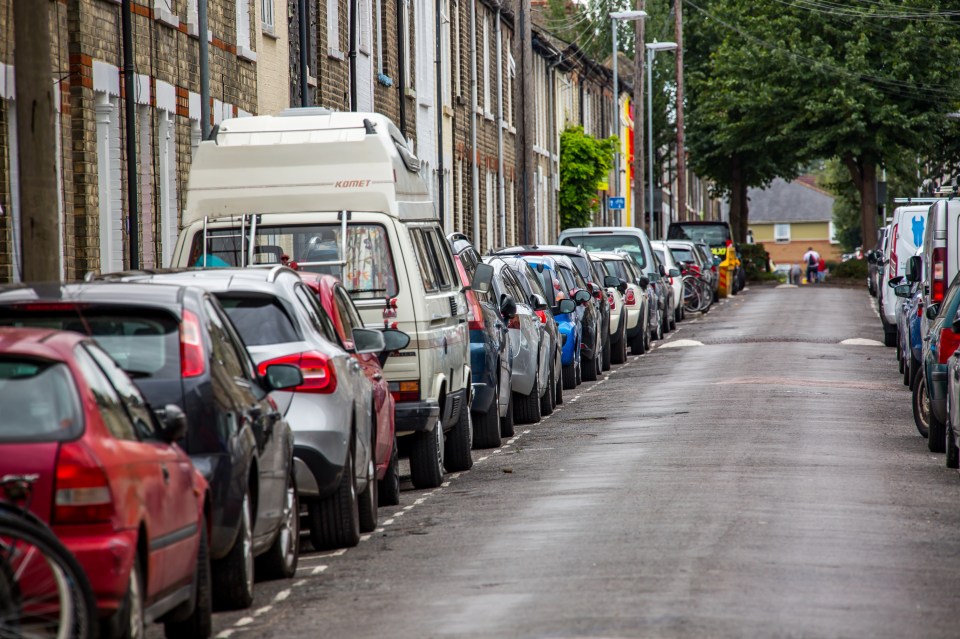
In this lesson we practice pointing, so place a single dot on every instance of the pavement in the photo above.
(754, 475)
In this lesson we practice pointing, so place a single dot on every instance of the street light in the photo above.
(625, 16)
(652, 49)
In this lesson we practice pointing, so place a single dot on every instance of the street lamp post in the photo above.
(652, 49)
(626, 16)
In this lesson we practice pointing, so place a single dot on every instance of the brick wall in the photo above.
(274, 88)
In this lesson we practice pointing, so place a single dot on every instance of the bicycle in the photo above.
(44, 591)
(697, 295)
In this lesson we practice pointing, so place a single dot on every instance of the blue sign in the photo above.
(617, 203)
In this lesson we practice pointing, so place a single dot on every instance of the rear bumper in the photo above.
(318, 460)
(417, 416)
(106, 556)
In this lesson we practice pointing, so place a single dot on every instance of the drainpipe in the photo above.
(354, 19)
(402, 36)
(501, 184)
(552, 150)
(204, 69)
(474, 169)
(130, 109)
(439, 80)
(304, 51)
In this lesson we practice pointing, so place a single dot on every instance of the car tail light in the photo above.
(613, 302)
(193, 360)
(318, 373)
(597, 293)
(631, 298)
(670, 279)
(939, 263)
(714, 268)
(919, 310)
(543, 316)
(893, 251)
(82, 488)
(949, 341)
(405, 391)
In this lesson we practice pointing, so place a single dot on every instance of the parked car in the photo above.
(873, 267)
(109, 479)
(528, 345)
(568, 312)
(674, 280)
(490, 361)
(910, 342)
(930, 389)
(906, 236)
(664, 287)
(339, 307)
(372, 223)
(636, 302)
(588, 316)
(714, 234)
(941, 253)
(614, 298)
(332, 414)
(180, 347)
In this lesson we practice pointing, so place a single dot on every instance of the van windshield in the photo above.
(629, 243)
(369, 272)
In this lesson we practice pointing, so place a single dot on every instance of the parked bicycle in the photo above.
(43, 590)
(697, 294)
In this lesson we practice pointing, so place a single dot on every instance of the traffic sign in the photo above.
(617, 203)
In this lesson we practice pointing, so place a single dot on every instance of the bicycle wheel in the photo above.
(706, 296)
(43, 590)
(691, 295)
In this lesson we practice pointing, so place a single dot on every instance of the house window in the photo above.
(486, 64)
(781, 233)
(243, 27)
(511, 74)
(333, 28)
(193, 17)
(109, 183)
(833, 233)
(266, 10)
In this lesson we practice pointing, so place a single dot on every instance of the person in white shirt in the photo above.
(811, 259)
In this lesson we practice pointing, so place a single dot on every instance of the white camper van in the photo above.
(905, 237)
(341, 193)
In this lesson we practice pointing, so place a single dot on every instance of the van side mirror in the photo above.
(932, 311)
(366, 340)
(482, 278)
(914, 268)
(581, 297)
(508, 307)
(903, 290)
(566, 306)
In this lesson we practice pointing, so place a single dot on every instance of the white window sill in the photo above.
(410, 92)
(311, 81)
(164, 16)
(447, 111)
(267, 30)
(194, 30)
(246, 54)
(336, 55)
(488, 116)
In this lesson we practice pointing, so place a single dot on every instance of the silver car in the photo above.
(331, 414)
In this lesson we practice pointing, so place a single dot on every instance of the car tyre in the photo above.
(198, 624)
(233, 575)
(607, 353)
(568, 376)
(128, 622)
(579, 371)
(921, 412)
(547, 399)
(907, 369)
(280, 561)
(506, 422)
(456, 454)
(526, 408)
(487, 426)
(335, 519)
(638, 343)
(619, 355)
(953, 453)
(389, 490)
(426, 458)
(889, 336)
(588, 368)
(369, 500)
(560, 385)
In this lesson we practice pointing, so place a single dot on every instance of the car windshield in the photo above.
(712, 234)
(629, 243)
(260, 319)
(38, 400)
(369, 272)
(144, 342)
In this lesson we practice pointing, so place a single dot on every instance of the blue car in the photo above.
(910, 347)
(570, 325)
(930, 387)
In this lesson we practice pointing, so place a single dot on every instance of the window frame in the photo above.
(779, 237)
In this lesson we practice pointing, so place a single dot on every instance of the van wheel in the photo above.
(588, 369)
(280, 562)
(568, 376)
(233, 575)
(369, 500)
(389, 490)
(546, 400)
(456, 453)
(560, 383)
(426, 458)
(335, 520)
(198, 624)
(506, 423)
(527, 407)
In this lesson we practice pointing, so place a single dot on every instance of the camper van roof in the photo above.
(306, 160)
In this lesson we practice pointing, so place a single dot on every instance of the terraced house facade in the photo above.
(488, 139)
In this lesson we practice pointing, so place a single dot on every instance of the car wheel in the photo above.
(905, 367)
(921, 409)
(456, 454)
(561, 384)
(889, 336)
(619, 355)
(233, 575)
(568, 379)
(638, 343)
(369, 500)
(607, 354)
(672, 320)
(128, 621)
(546, 400)
(280, 562)
(588, 368)
(506, 423)
(198, 625)
(579, 371)
(389, 490)
(526, 408)
(335, 520)
(426, 458)
(953, 453)
(486, 427)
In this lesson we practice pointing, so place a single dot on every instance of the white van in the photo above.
(905, 236)
(341, 193)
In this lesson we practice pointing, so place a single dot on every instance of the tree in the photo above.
(846, 204)
(584, 162)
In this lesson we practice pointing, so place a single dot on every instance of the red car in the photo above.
(107, 477)
(337, 303)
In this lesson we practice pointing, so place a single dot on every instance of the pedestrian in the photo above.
(821, 270)
(795, 274)
(812, 260)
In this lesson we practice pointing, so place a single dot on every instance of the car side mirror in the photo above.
(644, 282)
(611, 281)
(367, 340)
(281, 377)
(538, 303)
(622, 286)
(173, 423)
(661, 270)
(895, 281)
(674, 272)
(566, 306)
(903, 290)
(581, 297)
(508, 307)
(932, 311)
(482, 278)
(914, 268)
(393, 340)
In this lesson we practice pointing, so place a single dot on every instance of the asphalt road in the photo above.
(767, 482)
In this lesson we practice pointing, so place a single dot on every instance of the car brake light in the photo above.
(919, 310)
(82, 488)
(949, 341)
(34, 307)
(405, 391)
(893, 251)
(939, 288)
(543, 316)
(613, 302)
(474, 312)
(193, 360)
(318, 374)
(631, 298)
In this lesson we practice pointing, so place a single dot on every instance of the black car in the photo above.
(490, 363)
(716, 235)
(179, 346)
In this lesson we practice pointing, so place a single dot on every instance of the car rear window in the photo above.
(143, 342)
(712, 234)
(682, 255)
(38, 401)
(616, 267)
(629, 243)
(260, 319)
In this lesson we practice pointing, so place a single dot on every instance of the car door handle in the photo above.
(377, 377)
(166, 473)
(354, 366)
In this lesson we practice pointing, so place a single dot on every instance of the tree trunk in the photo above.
(864, 175)
(740, 233)
(736, 194)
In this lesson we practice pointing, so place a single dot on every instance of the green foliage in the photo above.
(584, 162)
(835, 179)
(851, 269)
(756, 260)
